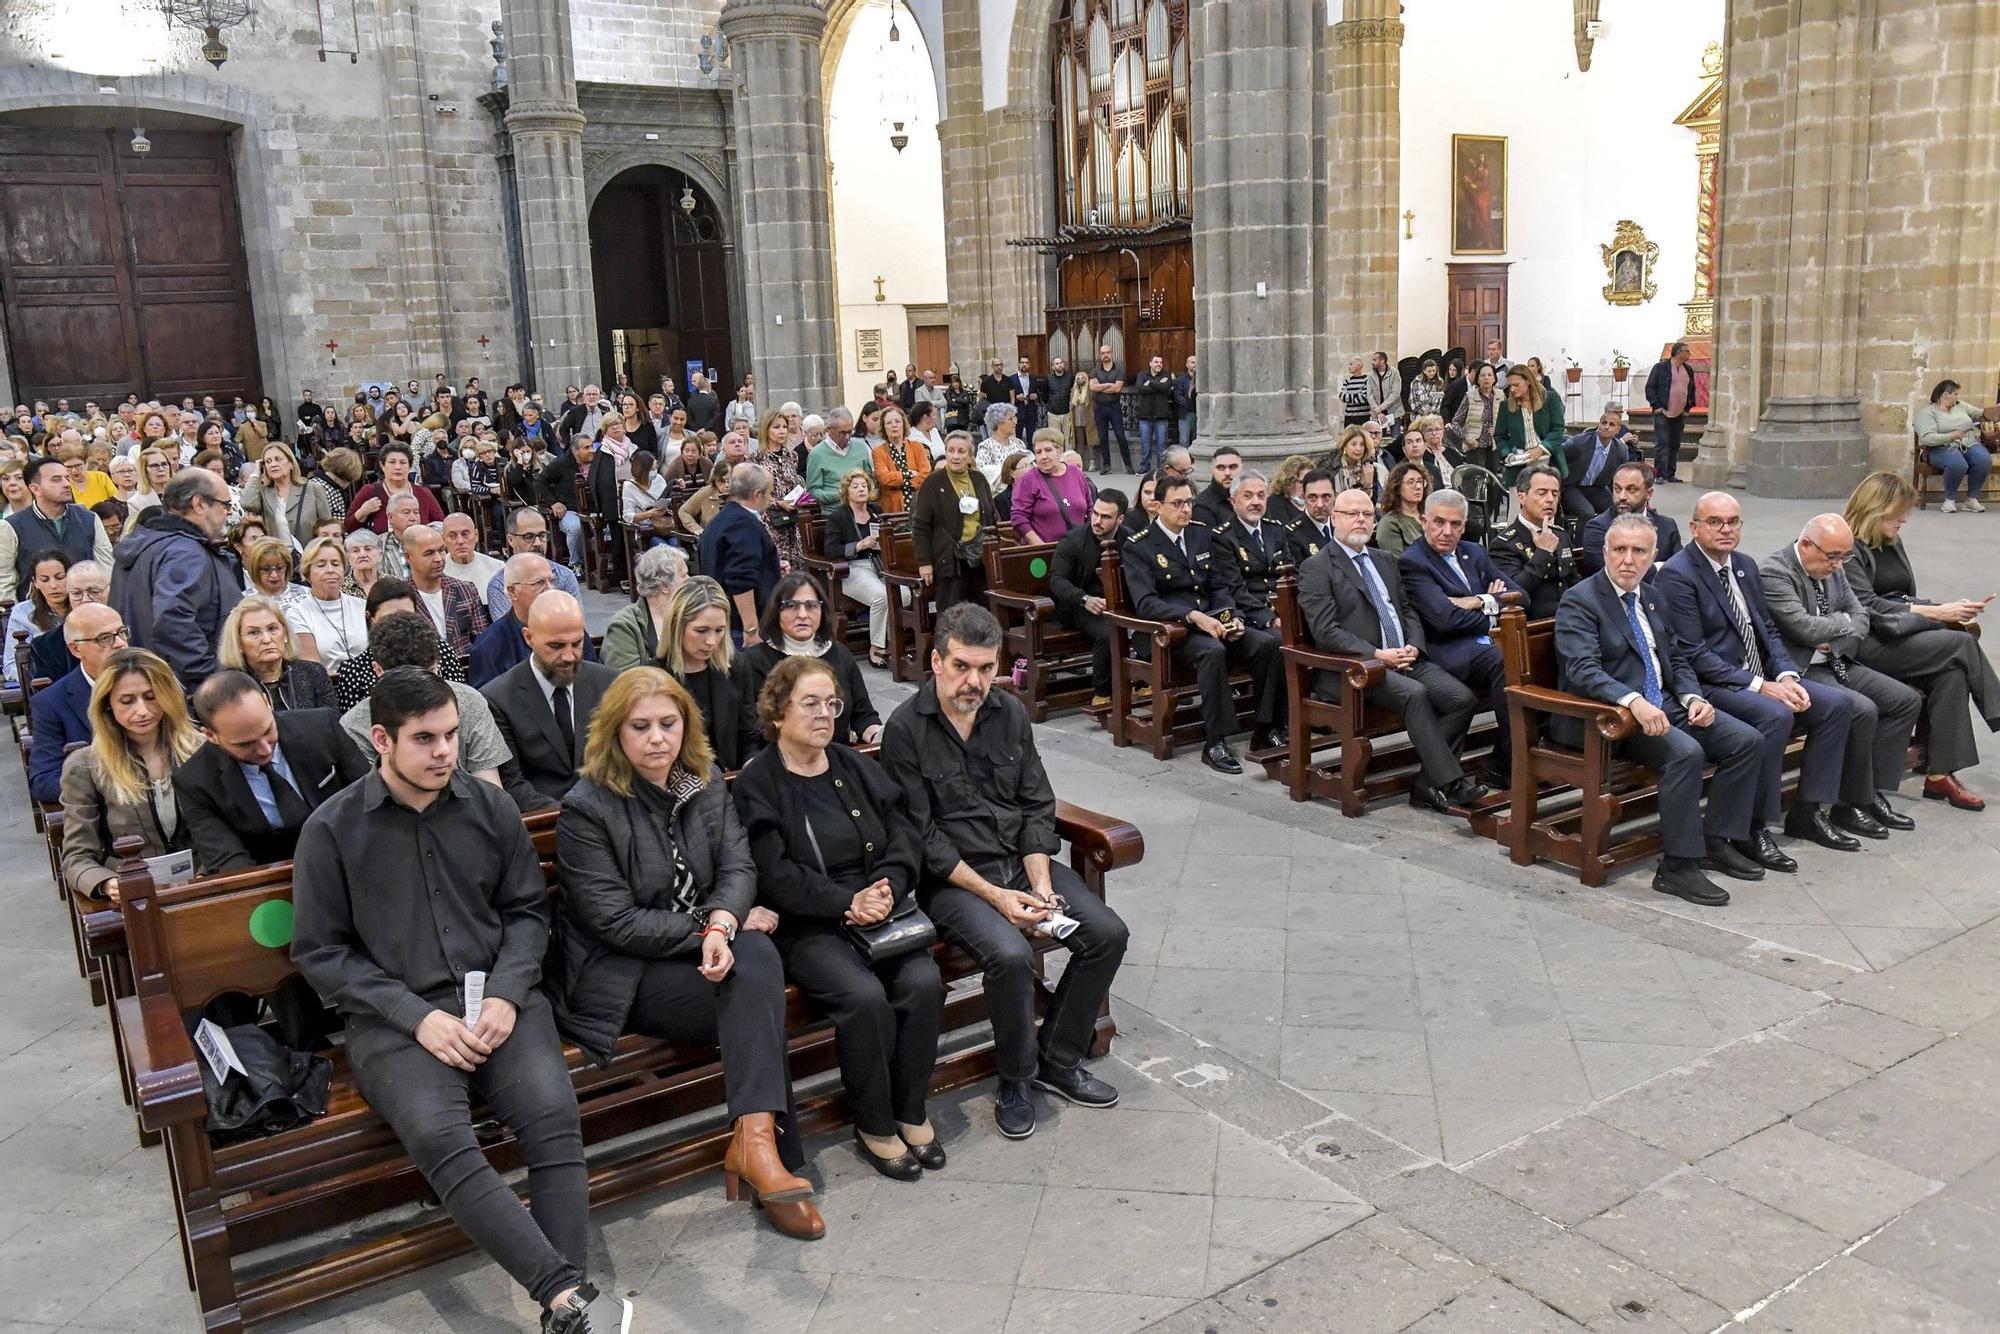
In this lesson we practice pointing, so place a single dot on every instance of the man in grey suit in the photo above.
(1352, 598)
(544, 702)
(1823, 624)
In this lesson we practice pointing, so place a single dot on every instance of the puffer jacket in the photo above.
(616, 911)
(175, 588)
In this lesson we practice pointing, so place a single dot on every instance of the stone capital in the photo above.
(743, 20)
(1368, 32)
(551, 116)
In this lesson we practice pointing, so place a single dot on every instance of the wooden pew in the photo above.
(842, 623)
(598, 561)
(1057, 675)
(663, 1102)
(1152, 695)
(910, 612)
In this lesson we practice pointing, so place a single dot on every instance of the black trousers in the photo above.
(543, 1247)
(1098, 631)
(1210, 657)
(1678, 757)
(885, 1022)
(1096, 947)
(1885, 714)
(1109, 418)
(958, 582)
(743, 1014)
(1832, 746)
(1584, 503)
(1436, 709)
(1667, 444)
(1953, 672)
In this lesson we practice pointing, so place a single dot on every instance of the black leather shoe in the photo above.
(1687, 882)
(1815, 825)
(1761, 848)
(1078, 1086)
(905, 1166)
(1493, 779)
(931, 1155)
(1014, 1110)
(1221, 759)
(1425, 797)
(1467, 791)
(1888, 816)
(1857, 821)
(1728, 861)
(1268, 738)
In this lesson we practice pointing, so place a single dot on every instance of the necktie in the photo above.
(1371, 579)
(1459, 570)
(1834, 661)
(565, 721)
(1257, 539)
(1654, 695)
(1597, 457)
(292, 809)
(1752, 659)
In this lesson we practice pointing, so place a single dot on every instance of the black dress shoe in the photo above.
(1268, 738)
(1857, 821)
(1726, 860)
(1221, 759)
(1687, 882)
(1425, 797)
(1467, 791)
(1761, 848)
(1888, 816)
(905, 1166)
(1491, 778)
(1014, 1110)
(931, 1155)
(1078, 1086)
(1815, 825)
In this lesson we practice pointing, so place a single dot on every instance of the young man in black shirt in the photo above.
(404, 884)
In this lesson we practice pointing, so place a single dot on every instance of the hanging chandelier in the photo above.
(211, 17)
(898, 105)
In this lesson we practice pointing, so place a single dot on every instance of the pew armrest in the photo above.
(1098, 842)
(166, 1082)
(1360, 673)
(1160, 632)
(1034, 604)
(1612, 722)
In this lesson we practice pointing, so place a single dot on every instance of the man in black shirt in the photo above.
(406, 883)
(1212, 507)
(1153, 394)
(1061, 384)
(1076, 582)
(1107, 383)
(964, 755)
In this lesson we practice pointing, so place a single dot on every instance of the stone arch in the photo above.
(1028, 54)
(840, 16)
(601, 167)
(225, 106)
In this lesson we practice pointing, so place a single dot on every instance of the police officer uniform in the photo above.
(1542, 575)
(1259, 555)
(1307, 538)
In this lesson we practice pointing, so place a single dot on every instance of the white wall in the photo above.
(996, 35)
(1583, 151)
(888, 208)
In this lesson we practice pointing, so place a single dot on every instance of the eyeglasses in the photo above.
(821, 708)
(543, 582)
(1184, 503)
(1735, 521)
(109, 638)
(536, 538)
(1833, 557)
(802, 604)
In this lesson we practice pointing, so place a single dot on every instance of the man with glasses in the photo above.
(528, 535)
(833, 458)
(86, 582)
(174, 582)
(1823, 624)
(544, 702)
(1715, 601)
(503, 645)
(60, 714)
(1352, 600)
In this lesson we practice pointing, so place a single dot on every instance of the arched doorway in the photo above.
(659, 263)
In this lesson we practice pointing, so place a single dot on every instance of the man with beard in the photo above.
(1253, 547)
(1631, 493)
(544, 703)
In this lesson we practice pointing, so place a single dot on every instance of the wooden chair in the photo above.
(1057, 675)
(1152, 693)
(910, 614)
(842, 623)
(1921, 468)
(598, 562)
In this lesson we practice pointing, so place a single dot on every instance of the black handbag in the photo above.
(904, 931)
(279, 1089)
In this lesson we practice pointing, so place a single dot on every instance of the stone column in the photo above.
(1259, 220)
(1020, 164)
(546, 126)
(963, 127)
(784, 216)
(421, 289)
(1364, 154)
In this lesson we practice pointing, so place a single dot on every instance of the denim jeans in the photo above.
(1152, 444)
(1110, 419)
(1969, 465)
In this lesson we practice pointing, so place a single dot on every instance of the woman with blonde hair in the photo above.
(695, 647)
(660, 932)
(123, 781)
(1529, 429)
(257, 639)
(329, 624)
(156, 469)
(291, 507)
(1288, 490)
(774, 454)
(1928, 645)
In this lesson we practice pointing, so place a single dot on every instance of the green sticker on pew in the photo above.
(271, 924)
(1039, 568)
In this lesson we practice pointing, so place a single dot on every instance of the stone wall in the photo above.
(642, 41)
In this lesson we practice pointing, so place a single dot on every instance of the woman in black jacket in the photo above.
(695, 647)
(835, 845)
(951, 520)
(657, 932)
(794, 625)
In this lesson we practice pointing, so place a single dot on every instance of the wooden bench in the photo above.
(1057, 675)
(842, 623)
(1360, 771)
(662, 1101)
(910, 612)
(598, 560)
(1921, 468)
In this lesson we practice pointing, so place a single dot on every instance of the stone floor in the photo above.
(1376, 1078)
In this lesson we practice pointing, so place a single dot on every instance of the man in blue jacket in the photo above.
(60, 714)
(737, 550)
(1456, 590)
(173, 583)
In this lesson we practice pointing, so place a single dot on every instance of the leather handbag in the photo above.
(905, 930)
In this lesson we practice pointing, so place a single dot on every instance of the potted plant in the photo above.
(1573, 372)
(1621, 365)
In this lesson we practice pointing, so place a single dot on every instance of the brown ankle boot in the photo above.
(752, 1160)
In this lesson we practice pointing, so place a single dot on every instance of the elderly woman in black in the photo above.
(795, 625)
(835, 848)
(659, 934)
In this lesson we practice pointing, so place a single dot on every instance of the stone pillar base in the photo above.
(1808, 448)
(1265, 452)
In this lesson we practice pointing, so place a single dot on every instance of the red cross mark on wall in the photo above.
(483, 341)
(330, 345)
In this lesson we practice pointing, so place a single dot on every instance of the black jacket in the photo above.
(1076, 572)
(1161, 584)
(1153, 395)
(757, 662)
(732, 731)
(1254, 565)
(935, 520)
(227, 828)
(1211, 505)
(617, 909)
(789, 879)
(704, 411)
(529, 724)
(842, 532)
(1542, 575)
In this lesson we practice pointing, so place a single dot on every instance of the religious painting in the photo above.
(1478, 194)
(1628, 263)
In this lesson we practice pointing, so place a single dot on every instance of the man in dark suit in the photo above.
(1534, 553)
(59, 715)
(1823, 624)
(1029, 391)
(544, 704)
(1715, 602)
(704, 410)
(737, 551)
(1171, 574)
(1352, 599)
(1315, 532)
(1593, 458)
(1211, 506)
(245, 795)
(1631, 493)
(501, 645)
(1254, 548)
(1456, 590)
(1615, 644)
(1076, 583)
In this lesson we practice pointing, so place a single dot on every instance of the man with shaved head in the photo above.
(543, 703)
(1823, 624)
(463, 558)
(504, 644)
(1715, 602)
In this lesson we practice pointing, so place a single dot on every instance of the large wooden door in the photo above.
(933, 350)
(1478, 306)
(123, 272)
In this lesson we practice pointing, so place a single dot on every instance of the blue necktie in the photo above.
(1654, 695)
(1371, 579)
(1597, 457)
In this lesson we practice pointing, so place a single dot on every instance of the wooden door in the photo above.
(123, 272)
(933, 350)
(1478, 307)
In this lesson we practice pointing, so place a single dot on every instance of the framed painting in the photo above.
(1478, 194)
(1628, 263)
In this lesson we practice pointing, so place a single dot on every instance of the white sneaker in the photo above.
(1975, 507)
(1951, 506)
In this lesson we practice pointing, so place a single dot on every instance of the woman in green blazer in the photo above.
(1530, 428)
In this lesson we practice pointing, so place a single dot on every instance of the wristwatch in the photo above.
(728, 929)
